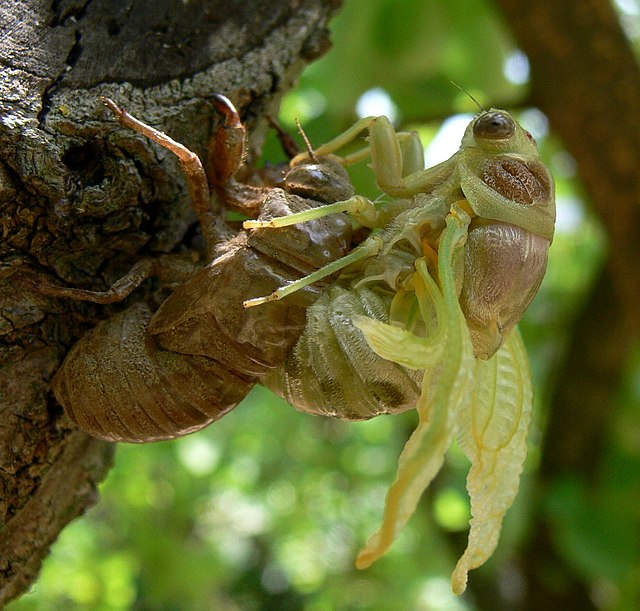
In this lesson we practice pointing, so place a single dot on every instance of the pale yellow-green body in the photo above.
(423, 314)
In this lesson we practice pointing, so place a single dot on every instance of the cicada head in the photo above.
(496, 131)
(323, 179)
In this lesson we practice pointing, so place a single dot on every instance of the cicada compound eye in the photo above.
(494, 125)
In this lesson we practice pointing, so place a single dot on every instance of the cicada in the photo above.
(424, 313)
(141, 376)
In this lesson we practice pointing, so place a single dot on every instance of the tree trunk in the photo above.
(585, 77)
(82, 199)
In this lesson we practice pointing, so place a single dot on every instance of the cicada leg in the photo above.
(397, 157)
(398, 162)
(142, 270)
(171, 268)
(394, 154)
(228, 147)
(341, 140)
(191, 164)
(369, 248)
(359, 207)
(227, 154)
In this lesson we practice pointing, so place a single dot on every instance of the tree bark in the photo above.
(82, 199)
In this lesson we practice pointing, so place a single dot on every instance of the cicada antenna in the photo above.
(468, 94)
(306, 141)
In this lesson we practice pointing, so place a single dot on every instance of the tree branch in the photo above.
(585, 77)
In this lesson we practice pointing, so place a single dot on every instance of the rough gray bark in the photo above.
(82, 199)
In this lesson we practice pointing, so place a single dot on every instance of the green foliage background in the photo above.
(267, 509)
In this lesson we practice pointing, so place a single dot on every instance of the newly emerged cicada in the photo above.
(141, 377)
(424, 313)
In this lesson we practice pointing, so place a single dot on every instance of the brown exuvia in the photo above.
(141, 376)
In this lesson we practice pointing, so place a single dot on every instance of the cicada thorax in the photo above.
(506, 251)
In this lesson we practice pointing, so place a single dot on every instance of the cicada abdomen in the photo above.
(117, 384)
(332, 371)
